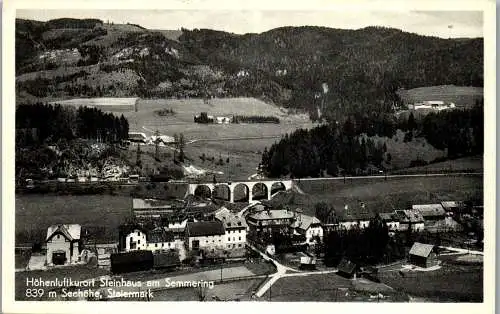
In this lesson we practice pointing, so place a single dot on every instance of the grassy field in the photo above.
(403, 153)
(240, 290)
(323, 288)
(462, 96)
(451, 283)
(474, 163)
(242, 143)
(102, 213)
(382, 196)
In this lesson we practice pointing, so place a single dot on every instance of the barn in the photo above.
(346, 268)
(423, 255)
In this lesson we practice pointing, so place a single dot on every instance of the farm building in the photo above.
(223, 120)
(63, 244)
(432, 104)
(410, 219)
(161, 139)
(131, 261)
(451, 206)
(151, 207)
(137, 137)
(422, 255)
(207, 235)
(346, 268)
(430, 212)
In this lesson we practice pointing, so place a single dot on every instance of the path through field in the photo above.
(281, 272)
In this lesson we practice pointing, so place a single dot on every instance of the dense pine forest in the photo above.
(39, 123)
(337, 148)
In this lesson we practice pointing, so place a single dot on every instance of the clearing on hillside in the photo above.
(462, 96)
(103, 103)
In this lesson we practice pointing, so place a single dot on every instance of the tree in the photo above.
(412, 125)
(322, 210)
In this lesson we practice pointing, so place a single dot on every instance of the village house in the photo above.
(205, 235)
(391, 220)
(235, 227)
(63, 244)
(177, 226)
(410, 219)
(422, 255)
(159, 239)
(430, 212)
(357, 218)
(131, 237)
(269, 221)
(451, 207)
(308, 226)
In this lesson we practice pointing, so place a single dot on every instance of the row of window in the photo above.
(228, 239)
(234, 231)
(230, 246)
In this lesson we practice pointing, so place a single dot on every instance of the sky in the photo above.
(443, 24)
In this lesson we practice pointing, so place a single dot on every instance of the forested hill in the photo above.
(334, 70)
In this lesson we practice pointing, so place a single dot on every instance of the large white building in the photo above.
(206, 236)
(235, 228)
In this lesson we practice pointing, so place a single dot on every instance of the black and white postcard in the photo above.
(318, 156)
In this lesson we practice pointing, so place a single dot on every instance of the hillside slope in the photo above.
(309, 68)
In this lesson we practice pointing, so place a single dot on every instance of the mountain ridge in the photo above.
(307, 67)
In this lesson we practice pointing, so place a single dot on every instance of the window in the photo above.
(138, 233)
(138, 241)
(58, 236)
(239, 245)
(156, 245)
(239, 238)
(228, 239)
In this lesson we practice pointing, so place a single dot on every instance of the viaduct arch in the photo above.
(254, 189)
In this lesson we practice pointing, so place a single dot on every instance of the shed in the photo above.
(346, 268)
(423, 255)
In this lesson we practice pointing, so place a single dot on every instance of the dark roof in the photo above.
(421, 249)
(159, 235)
(430, 210)
(388, 216)
(346, 266)
(205, 228)
(126, 229)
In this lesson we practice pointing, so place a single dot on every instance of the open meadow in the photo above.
(462, 96)
(241, 143)
(381, 195)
